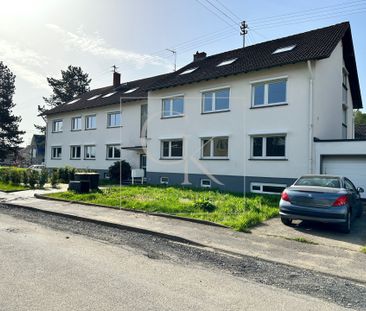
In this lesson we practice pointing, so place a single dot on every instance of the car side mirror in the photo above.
(360, 190)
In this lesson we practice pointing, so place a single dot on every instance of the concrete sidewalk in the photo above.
(327, 259)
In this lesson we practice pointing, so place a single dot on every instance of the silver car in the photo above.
(323, 198)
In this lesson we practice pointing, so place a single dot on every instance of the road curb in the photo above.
(199, 221)
(171, 237)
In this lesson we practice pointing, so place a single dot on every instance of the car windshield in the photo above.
(319, 181)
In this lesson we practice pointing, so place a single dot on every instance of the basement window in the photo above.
(164, 180)
(94, 97)
(267, 188)
(205, 183)
(227, 62)
(188, 71)
(284, 49)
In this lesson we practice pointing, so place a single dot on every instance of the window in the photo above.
(114, 119)
(215, 147)
(164, 180)
(56, 152)
(143, 121)
(57, 126)
(89, 152)
(227, 62)
(269, 93)
(213, 101)
(344, 122)
(173, 107)
(172, 149)
(267, 188)
(91, 122)
(273, 146)
(284, 49)
(113, 151)
(75, 152)
(76, 124)
(188, 71)
(205, 183)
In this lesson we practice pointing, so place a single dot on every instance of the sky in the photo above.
(39, 38)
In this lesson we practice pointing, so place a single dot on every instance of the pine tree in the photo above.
(73, 82)
(10, 136)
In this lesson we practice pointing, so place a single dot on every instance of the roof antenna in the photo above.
(175, 58)
(114, 68)
(243, 31)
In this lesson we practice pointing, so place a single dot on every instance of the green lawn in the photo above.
(10, 187)
(232, 210)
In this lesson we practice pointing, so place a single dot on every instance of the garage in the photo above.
(351, 166)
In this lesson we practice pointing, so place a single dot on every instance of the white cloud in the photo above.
(25, 63)
(97, 46)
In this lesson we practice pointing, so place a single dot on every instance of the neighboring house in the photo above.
(250, 119)
(37, 149)
(360, 131)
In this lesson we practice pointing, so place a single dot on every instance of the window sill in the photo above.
(91, 129)
(216, 111)
(269, 105)
(267, 159)
(172, 159)
(53, 132)
(75, 159)
(215, 159)
(173, 117)
(114, 127)
(113, 159)
(76, 130)
(89, 159)
(56, 158)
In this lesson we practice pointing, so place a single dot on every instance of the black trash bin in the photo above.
(79, 186)
(93, 179)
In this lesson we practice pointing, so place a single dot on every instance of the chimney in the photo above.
(199, 56)
(116, 79)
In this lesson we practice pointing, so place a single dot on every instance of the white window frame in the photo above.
(52, 153)
(205, 183)
(170, 149)
(85, 153)
(72, 157)
(264, 146)
(257, 184)
(86, 122)
(211, 140)
(72, 124)
(59, 129)
(213, 91)
(118, 146)
(171, 101)
(164, 180)
(109, 114)
(266, 83)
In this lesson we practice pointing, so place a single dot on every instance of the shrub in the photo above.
(33, 178)
(204, 205)
(25, 177)
(54, 178)
(5, 175)
(15, 176)
(115, 168)
(43, 178)
(66, 174)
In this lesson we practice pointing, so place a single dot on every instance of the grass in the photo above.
(302, 240)
(230, 209)
(10, 187)
(363, 250)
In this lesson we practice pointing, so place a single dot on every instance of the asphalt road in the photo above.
(55, 263)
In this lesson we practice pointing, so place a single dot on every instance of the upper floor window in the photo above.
(113, 151)
(143, 121)
(173, 107)
(57, 126)
(345, 88)
(56, 152)
(271, 146)
(172, 149)
(215, 147)
(91, 122)
(214, 101)
(269, 93)
(89, 152)
(114, 119)
(76, 124)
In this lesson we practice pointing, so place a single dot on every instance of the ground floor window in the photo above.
(215, 147)
(75, 152)
(269, 146)
(172, 149)
(267, 188)
(113, 151)
(56, 152)
(89, 152)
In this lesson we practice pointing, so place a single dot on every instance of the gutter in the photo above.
(310, 117)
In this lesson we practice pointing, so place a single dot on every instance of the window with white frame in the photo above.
(76, 124)
(345, 87)
(215, 101)
(57, 126)
(267, 188)
(113, 151)
(164, 180)
(75, 152)
(114, 119)
(173, 107)
(56, 152)
(172, 149)
(205, 183)
(89, 152)
(91, 122)
(269, 93)
(215, 147)
(270, 146)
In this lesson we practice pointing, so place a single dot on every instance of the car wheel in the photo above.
(346, 227)
(286, 221)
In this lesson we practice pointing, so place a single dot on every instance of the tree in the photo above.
(360, 118)
(73, 82)
(10, 136)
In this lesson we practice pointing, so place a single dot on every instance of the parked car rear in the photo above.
(323, 198)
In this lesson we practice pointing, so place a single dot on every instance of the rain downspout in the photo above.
(310, 117)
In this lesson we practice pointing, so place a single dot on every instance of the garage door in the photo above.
(352, 167)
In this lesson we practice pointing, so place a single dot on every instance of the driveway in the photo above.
(322, 234)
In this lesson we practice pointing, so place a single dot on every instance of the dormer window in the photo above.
(188, 71)
(284, 49)
(94, 97)
(227, 62)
